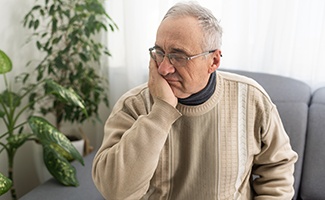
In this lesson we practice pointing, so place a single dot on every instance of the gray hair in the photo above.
(212, 31)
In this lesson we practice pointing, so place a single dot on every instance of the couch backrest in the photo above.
(292, 98)
(313, 175)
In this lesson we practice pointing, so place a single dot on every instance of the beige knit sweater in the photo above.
(153, 151)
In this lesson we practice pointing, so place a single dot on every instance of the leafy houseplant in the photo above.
(57, 149)
(65, 32)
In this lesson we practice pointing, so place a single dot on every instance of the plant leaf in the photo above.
(5, 63)
(57, 149)
(48, 135)
(67, 95)
(5, 184)
(10, 99)
(2, 114)
(59, 166)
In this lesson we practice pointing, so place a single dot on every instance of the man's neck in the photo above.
(203, 95)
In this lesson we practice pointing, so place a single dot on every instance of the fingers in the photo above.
(152, 70)
(153, 65)
(158, 86)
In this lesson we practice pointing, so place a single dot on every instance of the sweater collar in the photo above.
(203, 95)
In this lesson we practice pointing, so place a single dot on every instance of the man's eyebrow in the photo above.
(173, 50)
(178, 50)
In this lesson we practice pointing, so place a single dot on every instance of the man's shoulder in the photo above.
(249, 82)
(138, 90)
(134, 97)
(233, 77)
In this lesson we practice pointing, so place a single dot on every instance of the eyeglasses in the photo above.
(176, 59)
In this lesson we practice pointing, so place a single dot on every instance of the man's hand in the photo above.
(158, 86)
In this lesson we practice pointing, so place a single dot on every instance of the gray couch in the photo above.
(302, 113)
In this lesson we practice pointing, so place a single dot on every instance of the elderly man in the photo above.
(193, 132)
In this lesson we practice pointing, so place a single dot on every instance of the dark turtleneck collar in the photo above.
(203, 95)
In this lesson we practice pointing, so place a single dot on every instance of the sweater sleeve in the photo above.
(274, 165)
(129, 155)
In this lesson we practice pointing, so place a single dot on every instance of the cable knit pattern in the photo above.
(242, 140)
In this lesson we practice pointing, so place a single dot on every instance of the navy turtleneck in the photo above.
(203, 95)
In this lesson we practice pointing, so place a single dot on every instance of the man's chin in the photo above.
(180, 95)
(178, 92)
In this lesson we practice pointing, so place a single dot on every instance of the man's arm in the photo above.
(129, 155)
(275, 163)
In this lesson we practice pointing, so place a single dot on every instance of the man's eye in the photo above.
(177, 57)
(159, 53)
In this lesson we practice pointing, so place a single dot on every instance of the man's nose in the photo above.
(166, 67)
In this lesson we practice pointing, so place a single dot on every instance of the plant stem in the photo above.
(5, 80)
(11, 155)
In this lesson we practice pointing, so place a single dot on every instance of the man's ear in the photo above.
(215, 61)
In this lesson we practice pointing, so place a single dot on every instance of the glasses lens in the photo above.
(152, 53)
(177, 60)
(158, 55)
(174, 58)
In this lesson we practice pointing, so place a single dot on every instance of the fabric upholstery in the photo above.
(53, 190)
(313, 175)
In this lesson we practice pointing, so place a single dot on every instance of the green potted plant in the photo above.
(57, 149)
(65, 33)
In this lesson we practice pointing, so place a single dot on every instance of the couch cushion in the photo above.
(53, 190)
(313, 176)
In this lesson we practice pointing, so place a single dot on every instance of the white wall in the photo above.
(272, 36)
(12, 40)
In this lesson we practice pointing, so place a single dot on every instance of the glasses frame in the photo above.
(187, 58)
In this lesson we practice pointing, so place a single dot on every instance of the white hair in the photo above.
(212, 31)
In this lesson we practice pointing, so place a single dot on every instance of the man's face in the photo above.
(183, 35)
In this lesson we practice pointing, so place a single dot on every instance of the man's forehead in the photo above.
(179, 35)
